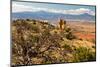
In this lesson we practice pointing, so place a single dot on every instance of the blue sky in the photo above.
(50, 7)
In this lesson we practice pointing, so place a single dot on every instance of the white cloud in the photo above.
(80, 11)
(21, 8)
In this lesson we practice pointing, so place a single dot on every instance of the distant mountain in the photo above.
(51, 16)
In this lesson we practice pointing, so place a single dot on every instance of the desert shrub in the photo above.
(35, 39)
(70, 36)
(94, 47)
(92, 56)
(68, 29)
(67, 47)
(46, 32)
(27, 19)
(34, 23)
(48, 62)
(50, 26)
(80, 39)
(82, 54)
(35, 28)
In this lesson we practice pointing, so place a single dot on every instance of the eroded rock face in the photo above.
(36, 42)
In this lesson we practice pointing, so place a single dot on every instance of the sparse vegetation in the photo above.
(38, 42)
(82, 54)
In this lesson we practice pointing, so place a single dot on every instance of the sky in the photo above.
(52, 7)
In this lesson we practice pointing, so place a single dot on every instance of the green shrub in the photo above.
(68, 29)
(46, 32)
(35, 39)
(83, 54)
(70, 36)
(68, 47)
(35, 28)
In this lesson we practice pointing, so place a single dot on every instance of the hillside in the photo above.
(39, 42)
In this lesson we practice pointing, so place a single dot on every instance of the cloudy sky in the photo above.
(55, 8)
